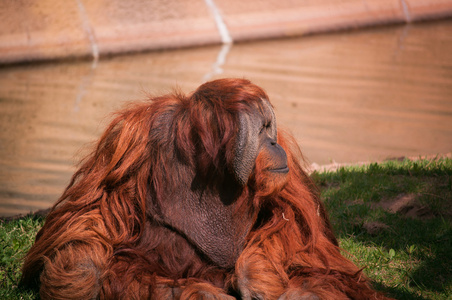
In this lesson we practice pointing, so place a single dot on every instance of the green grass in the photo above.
(393, 218)
(16, 237)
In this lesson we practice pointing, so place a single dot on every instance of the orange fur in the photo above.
(106, 237)
(293, 252)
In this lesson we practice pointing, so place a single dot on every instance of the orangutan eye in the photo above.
(265, 126)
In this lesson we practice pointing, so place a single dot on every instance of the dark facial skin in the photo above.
(267, 139)
(211, 223)
(258, 133)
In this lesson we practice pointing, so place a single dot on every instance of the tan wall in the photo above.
(53, 29)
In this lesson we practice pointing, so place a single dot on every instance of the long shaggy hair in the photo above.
(292, 250)
(107, 236)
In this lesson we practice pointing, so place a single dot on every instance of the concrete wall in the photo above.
(54, 29)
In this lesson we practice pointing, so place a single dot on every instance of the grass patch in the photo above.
(394, 218)
(16, 237)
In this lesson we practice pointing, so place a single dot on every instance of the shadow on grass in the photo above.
(396, 218)
(424, 272)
